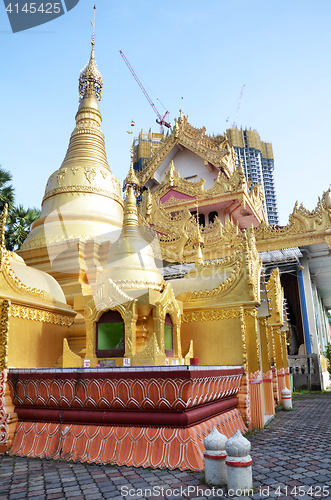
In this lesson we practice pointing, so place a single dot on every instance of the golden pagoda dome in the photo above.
(82, 198)
(131, 259)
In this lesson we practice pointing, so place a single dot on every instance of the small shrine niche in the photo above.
(110, 335)
(142, 331)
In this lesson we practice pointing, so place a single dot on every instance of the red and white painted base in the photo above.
(238, 463)
(286, 399)
(215, 455)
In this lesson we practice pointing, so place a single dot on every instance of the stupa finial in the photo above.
(90, 78)
(131, 179)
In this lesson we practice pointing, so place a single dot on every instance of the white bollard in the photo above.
(238, 463)
(286, 398)
(214, 454)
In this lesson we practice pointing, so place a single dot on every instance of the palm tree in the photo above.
(18, 226)
(7, 192)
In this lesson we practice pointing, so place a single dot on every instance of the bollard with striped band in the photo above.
(286, 398)
(214, 455)
(238, 463)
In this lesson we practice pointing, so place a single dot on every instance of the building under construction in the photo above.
(258, 164)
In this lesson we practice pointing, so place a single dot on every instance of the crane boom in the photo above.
(238, 107)
(161, 119)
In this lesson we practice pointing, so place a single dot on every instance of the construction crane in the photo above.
(238, 107)
(161, 120)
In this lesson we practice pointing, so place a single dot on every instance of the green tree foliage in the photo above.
(18, 226)
(7, 192)
(327, 354)
(19, 219)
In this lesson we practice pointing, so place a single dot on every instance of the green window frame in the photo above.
(110, 335)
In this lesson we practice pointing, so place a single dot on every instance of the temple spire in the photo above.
(131, 185)
(198, 241)
(90, 78)
(131, 179)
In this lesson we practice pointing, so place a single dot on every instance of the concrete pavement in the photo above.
(291, 459)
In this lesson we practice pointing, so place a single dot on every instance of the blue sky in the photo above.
(201, 51)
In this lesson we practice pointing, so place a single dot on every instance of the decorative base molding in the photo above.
(144, 417)
(135, 446)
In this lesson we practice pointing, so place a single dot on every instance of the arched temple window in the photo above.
(212, 216)
(201, 218)
(110, 335)
(168, 336)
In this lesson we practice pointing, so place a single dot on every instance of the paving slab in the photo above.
(291, 460)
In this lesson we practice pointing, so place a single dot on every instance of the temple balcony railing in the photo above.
(306, 371)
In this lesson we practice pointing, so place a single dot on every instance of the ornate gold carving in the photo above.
(167, 304)
(243, 338)
(61, 174)
(14, 280)
(90, 79)
(84, 190)
(253, 263)
(4, 328)
(173, 181)
(211, 315)
(217, 153)
(250, 313)
(41, 241)
(275, 294)
(104, 173)
(110, 296)
(5, 265)
(175, 225)
(3, 220)
(75, 170)
(223, 287)
(139, 285)
(90, 173)
(30, 313)
(189, 353)
(128, 347)
(150, 356)
(70, 359)
(304, 227)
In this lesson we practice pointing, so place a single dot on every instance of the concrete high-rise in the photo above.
(258, 164)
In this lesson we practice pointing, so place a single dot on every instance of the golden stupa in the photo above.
(82, 201)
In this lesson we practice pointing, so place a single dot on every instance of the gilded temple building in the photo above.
(159, 316)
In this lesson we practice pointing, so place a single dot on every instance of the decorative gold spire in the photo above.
(3, 220)
(198, 241)
(172, 173)
(90, 78)
(130, 220)
(131, 179)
